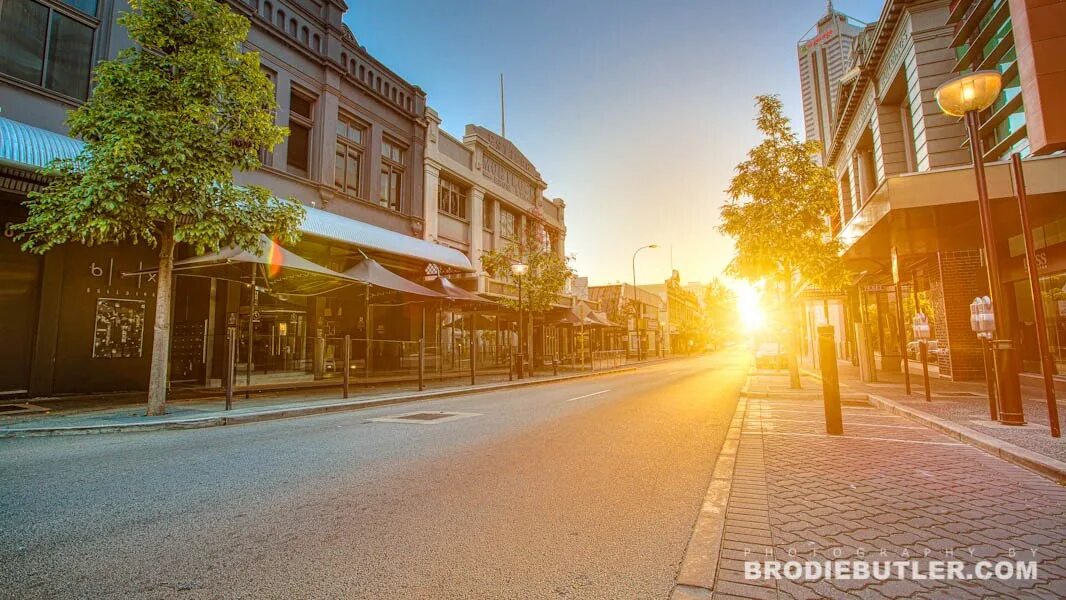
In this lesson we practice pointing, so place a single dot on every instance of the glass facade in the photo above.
(45, 46)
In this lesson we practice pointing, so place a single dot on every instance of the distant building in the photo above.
(617, 302)
(682, 314)
(824, 54)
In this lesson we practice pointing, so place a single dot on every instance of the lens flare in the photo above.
(275, 260)
(749, 305)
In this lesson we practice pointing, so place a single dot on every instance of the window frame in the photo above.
(91, 21)
(350, 146)
(305, 122)
(453, 199)
(391, 176)
(508, 233)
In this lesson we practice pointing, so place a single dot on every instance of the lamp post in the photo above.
(636, 303)
(967, 96)
(518, 270)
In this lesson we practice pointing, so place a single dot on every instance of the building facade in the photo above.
(823, 55)
(907, 216)
(639, 311)
(356, 158)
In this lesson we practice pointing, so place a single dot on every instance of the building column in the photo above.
(953, 285)
(477, 226)
(429, 201)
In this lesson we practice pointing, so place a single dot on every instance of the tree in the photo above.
(545, 278)
(779, 203)
(720, 313)
(168, 123)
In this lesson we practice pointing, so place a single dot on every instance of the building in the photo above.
(356, 157)
(824, 54)
(906, 185)
(681, 315)
(643, 327)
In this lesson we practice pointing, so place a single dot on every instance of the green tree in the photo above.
(779, 203)
(168, 123)
(545, 278)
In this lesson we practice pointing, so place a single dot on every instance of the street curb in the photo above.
(299, 411)
(699, 567)
(1039, 464)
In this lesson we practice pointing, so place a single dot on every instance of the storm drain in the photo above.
(424, 417)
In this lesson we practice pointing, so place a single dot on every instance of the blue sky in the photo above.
(634, 112)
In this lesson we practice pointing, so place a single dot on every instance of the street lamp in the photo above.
(636, 303)
(967, 96)
(518, 270)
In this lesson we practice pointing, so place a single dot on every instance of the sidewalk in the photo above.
(887, 490)
(966, 404)
(210, 411)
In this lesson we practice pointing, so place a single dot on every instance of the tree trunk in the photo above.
(157, 380)
(793, 334)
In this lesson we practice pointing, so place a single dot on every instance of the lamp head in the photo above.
(519, 269)
(653, 245)
(976, 91)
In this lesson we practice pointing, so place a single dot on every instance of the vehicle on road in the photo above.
(933, 350)
(770, 355)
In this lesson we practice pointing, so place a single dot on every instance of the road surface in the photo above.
(585, 489)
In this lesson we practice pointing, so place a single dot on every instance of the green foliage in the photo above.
(168, 123)
(780, 199)
(720, 312)
(547, 275)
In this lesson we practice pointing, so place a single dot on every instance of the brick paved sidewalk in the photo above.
(888, 489)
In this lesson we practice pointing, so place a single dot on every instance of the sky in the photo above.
(635, 113)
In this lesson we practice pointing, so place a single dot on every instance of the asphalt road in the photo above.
(586, 489)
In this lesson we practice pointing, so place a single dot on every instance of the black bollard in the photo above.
(923, 347)
(827, 357)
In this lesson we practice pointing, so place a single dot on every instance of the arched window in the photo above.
(344, 59)
(280, 19)
(305, 34)
(316, 43)
(362, 71)
(268, 11)
(292, 27)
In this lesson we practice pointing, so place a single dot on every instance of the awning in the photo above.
(275, 269)
(320, 223)
(370, 271)
(454, 292)
(31, 148)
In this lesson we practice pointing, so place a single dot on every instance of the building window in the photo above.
(451, 199)
(508, 224)
(46, 47)
(391, 175)
(348, 161)
(298, 157)
(487, 218)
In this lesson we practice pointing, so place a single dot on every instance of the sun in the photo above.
(749, 305)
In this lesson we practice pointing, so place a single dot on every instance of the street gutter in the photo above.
(237, 418)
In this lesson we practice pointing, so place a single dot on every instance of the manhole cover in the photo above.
(424, 417)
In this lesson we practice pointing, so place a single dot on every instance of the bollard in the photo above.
(421, 364)
(923, 348)
(555, 365)
(834, 422)
(230, 365)
(347, 363)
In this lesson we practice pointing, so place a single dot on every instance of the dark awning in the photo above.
(370, 271)
(274, 268)
(454, 292)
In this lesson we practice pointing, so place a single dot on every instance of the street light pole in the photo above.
(518, 270)
(637, 312)
(966, 96)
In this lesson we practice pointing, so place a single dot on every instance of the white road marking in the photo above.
(589, 395)
(673, 372)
